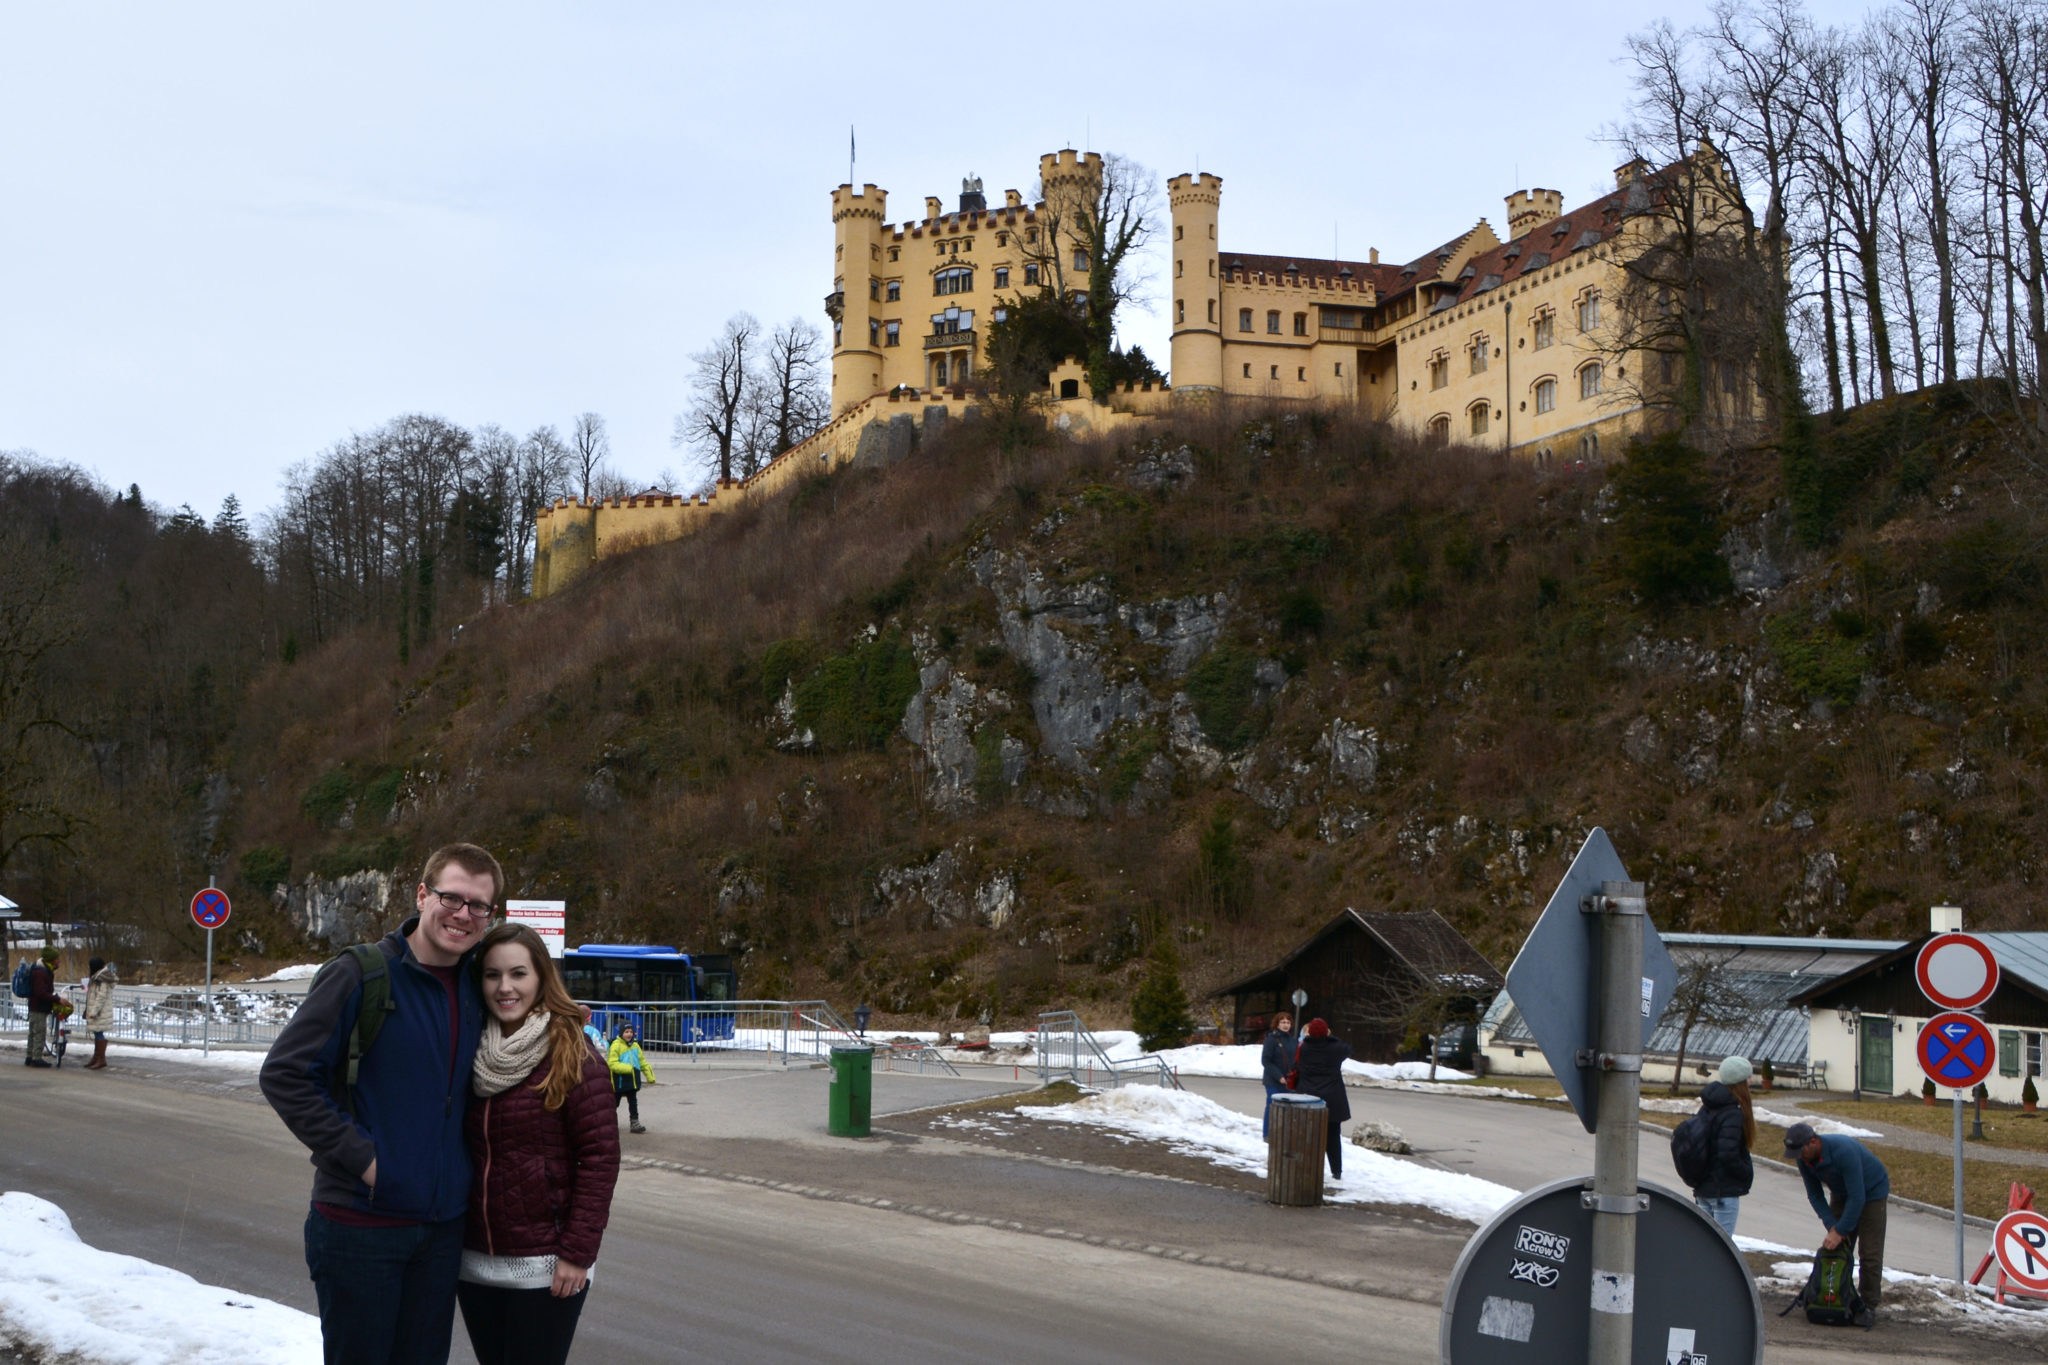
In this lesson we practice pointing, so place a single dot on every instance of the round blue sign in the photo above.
(210, 908)
(1956, 1050)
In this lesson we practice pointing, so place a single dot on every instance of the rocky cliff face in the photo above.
(354, 908)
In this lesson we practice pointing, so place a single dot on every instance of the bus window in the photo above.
(622, 984)
(581, 981)
(717, 986)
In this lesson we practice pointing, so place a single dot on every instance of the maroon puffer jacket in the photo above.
(543, 1181)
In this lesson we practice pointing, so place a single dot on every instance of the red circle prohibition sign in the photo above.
(2021, 1243)
(1956, 971)
(210, 908)
(1956, 1050)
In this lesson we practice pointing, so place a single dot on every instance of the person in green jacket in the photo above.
(628, 1067)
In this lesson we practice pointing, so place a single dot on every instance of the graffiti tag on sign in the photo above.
(1537, 1242)
(1542, 1276)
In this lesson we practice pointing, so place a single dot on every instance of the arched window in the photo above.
(1002, 277)
(1440, 430)
(1478, 354)
(938, 372)
(958, 280)
(1589, 446)
(894, 291)
(1479, 413)
(1589, 381)
(1031, 273)
(1546, 395)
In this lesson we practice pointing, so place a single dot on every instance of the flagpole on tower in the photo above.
(849, 155)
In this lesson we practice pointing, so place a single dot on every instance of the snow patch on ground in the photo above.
(232, 1059)
(1194, 1126)
(301, 972)
(1824, 1126)
(60, 1298)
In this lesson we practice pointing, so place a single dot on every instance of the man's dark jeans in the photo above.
(387, 1295)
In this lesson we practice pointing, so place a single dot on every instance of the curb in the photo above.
(1349, 1284)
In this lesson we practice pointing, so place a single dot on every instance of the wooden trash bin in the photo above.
(1295, 1135)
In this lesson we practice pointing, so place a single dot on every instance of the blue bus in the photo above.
(642, 978)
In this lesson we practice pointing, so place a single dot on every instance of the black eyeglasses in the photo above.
(452, 903)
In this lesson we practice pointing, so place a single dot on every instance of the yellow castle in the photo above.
(1514, 344)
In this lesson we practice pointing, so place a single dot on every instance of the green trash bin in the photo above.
(853, 1091)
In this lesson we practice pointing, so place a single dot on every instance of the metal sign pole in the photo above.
(1959, 1188)
(206, 1034)
(1619, 1059)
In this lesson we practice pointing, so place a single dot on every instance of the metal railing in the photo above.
(803, 1029)
(174, 1015)
(1067, 1049)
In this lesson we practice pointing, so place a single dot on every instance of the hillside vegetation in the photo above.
(969, 734)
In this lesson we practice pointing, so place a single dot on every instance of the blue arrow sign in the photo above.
(1956, 1050)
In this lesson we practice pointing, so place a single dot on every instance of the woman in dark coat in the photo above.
(1731, 1129)
(1319, 1071)
(544, 1145)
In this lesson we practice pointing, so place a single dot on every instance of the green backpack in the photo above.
(1830, 1296)
(376, 1007)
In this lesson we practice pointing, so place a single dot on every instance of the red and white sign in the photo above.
(1956, 1050)
(2020, 1241)
(1956, 971)
(549, 919)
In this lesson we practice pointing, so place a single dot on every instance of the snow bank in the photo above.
(231, 1059)
(1193, 1126)
(62, 1298)
(301, 972)
(1826, 1126)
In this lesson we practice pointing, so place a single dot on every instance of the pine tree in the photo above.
(230, 522)
(1159, 1009)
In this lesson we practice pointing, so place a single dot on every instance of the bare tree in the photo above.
(590, 446)
(1924, 37)
(720, 388)
(1093, 231)
(792, 393)
(2008, 62)
(1708, 996)
(541, 475)
(36, 623)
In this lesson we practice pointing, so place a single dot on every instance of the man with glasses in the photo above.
(390, 1170)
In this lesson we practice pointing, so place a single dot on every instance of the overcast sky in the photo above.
(233, 233)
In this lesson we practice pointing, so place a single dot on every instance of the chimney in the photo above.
(1012, 199)
(1630, 171)
(1373, 255)
(932, 207)
(1531, 209)
(1945, 919)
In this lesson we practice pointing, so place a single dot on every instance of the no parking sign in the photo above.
(2021, 1243)
(1956, 1050)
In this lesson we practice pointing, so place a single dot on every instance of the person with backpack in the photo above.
(1850, 1190)
(1319, 1071)
(1710, 1150)
(546, 1153)
(372, 1074)
(99, 1009)
(628, 1065)
(42, 999)
(1276, 1059)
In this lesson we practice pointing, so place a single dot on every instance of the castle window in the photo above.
(1478, 354)
(1080, 259)
(1273, 322)
(1546, 329)
(1244, 319)
(1002, 239)
(1480, 414)
(1180, 310)
(874, 331)
(875, 290)
(1030, 234)
(892, 333)
(1340, 369)
(1275, 371)
(1589, 446)
(1002, 277)
(1589, 381)
(1439, 371)
(1176, 232)
(1589, 312)
(895, 252)
(893, 291)
(1546, 395)
(1247, 372)
(1212, 267)
(999, 314)
(1301, 324)
(1440, 431)
(939, 372)
(1031, 274)
(1179, 269)
(1301, 373)
(1212, 310)
(958, 280)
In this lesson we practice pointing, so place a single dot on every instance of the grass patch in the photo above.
(1045, 1097)
(2005, 1125)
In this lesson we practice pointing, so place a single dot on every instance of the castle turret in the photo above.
(856, 281)
(1532, 209)
(1070, 181)
(1197, 363)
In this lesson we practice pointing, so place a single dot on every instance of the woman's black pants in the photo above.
(1333, 1145)
(519, 1326)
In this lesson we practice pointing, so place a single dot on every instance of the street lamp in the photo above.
(1847, 1014)
(861, 1015)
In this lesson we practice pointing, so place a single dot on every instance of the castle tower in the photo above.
(856, 280)
(1197, 360)
(1529, 209)
(1071, 182)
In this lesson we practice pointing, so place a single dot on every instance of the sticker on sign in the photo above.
(549, 919)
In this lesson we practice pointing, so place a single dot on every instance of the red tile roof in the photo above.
(1382, 277)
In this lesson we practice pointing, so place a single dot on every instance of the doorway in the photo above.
(1877, 1054)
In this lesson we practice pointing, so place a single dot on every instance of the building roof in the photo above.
(1586, 226)
(1380, 275)
(1422, 940)
(1767, 972)
(2022, 961)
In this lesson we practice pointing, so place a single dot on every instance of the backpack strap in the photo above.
(377, 1005)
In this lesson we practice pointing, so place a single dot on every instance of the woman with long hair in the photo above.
(1731, 1132)
(1319, 1070)
(544, 1145)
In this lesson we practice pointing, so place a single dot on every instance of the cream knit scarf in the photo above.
(503, 1061)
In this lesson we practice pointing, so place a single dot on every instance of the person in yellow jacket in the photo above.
(628, 1065)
